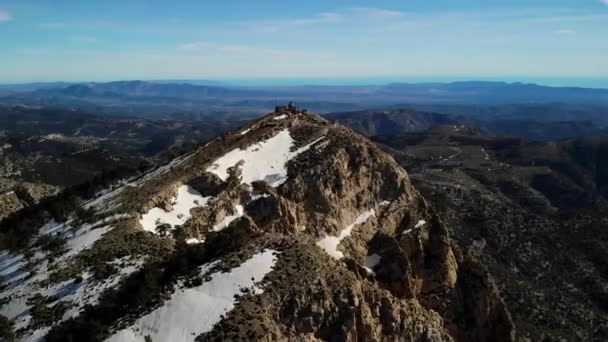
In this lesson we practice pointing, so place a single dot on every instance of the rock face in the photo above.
(383, 122)
(533, 213)
(359, 254)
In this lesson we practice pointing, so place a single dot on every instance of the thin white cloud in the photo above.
(379, 13)
(84, 39)
(283, 24)
(247, 50)
(605, 2)
(342, 16)
(32, 51)
(565, 32)
(194, 46)
(5, 15)
(569, 18)
(52, 25)
(235, 48)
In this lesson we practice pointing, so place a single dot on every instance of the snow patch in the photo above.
(258, 196)
(24, 278)
(264, 161)
(420, 224)
(84, 238)
(280, 117)
(193, 311)
(105, 199)
(228, 219)
(162, 170)
(330, 243)
(186, 199)
(371, 261)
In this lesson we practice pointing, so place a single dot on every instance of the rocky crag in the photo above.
(290, 229)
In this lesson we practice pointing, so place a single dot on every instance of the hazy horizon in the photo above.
(582, 82)
(241, 40)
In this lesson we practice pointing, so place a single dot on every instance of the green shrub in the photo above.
(44, 314)
(146, 288)
(54, 245)
(6, 329)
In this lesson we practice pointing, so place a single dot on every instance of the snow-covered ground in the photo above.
(186, 199)
(256, 197)
(228, 219)
(418, 225)
(193, 311)
(371, 261)
(24, 278)
(105, 201)
(486, 155)
(264, 161)
(330, 243)
(162, 170)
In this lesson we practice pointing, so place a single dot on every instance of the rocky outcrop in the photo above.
(531, 215)
(419, 276)
(361, 255)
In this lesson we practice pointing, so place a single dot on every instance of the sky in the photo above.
(59, 40)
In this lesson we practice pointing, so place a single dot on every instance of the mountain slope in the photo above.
(534, 122)
(290, 228)
(535, 213)
(385, 122)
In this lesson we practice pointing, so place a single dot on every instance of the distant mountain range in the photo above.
(512, 122)
(358, 97)
(516, 109)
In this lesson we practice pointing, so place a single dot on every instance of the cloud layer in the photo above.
(5, 15)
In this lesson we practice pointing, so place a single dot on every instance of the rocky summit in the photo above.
(290, 229)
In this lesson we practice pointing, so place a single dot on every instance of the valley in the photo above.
(442, 221)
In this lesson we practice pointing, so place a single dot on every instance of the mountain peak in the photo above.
(287, 228)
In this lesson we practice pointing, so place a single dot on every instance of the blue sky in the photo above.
(49, 40)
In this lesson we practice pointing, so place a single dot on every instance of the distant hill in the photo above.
(176, 95)
(396, 121)
(126, 89)
(382, 122)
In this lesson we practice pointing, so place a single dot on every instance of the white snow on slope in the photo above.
(186, 199)
(90, 289)
(420, 223)
(193, 311)
(104, 200)
(280, 117)
(330, 243)
(23, 279)
(80, 294)
(264, 161)
(245, 131)
(12, 267)
(371, 261)
(164, 169)
(81, 238)
(84, 238)
(258, 196)
(228, 219)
